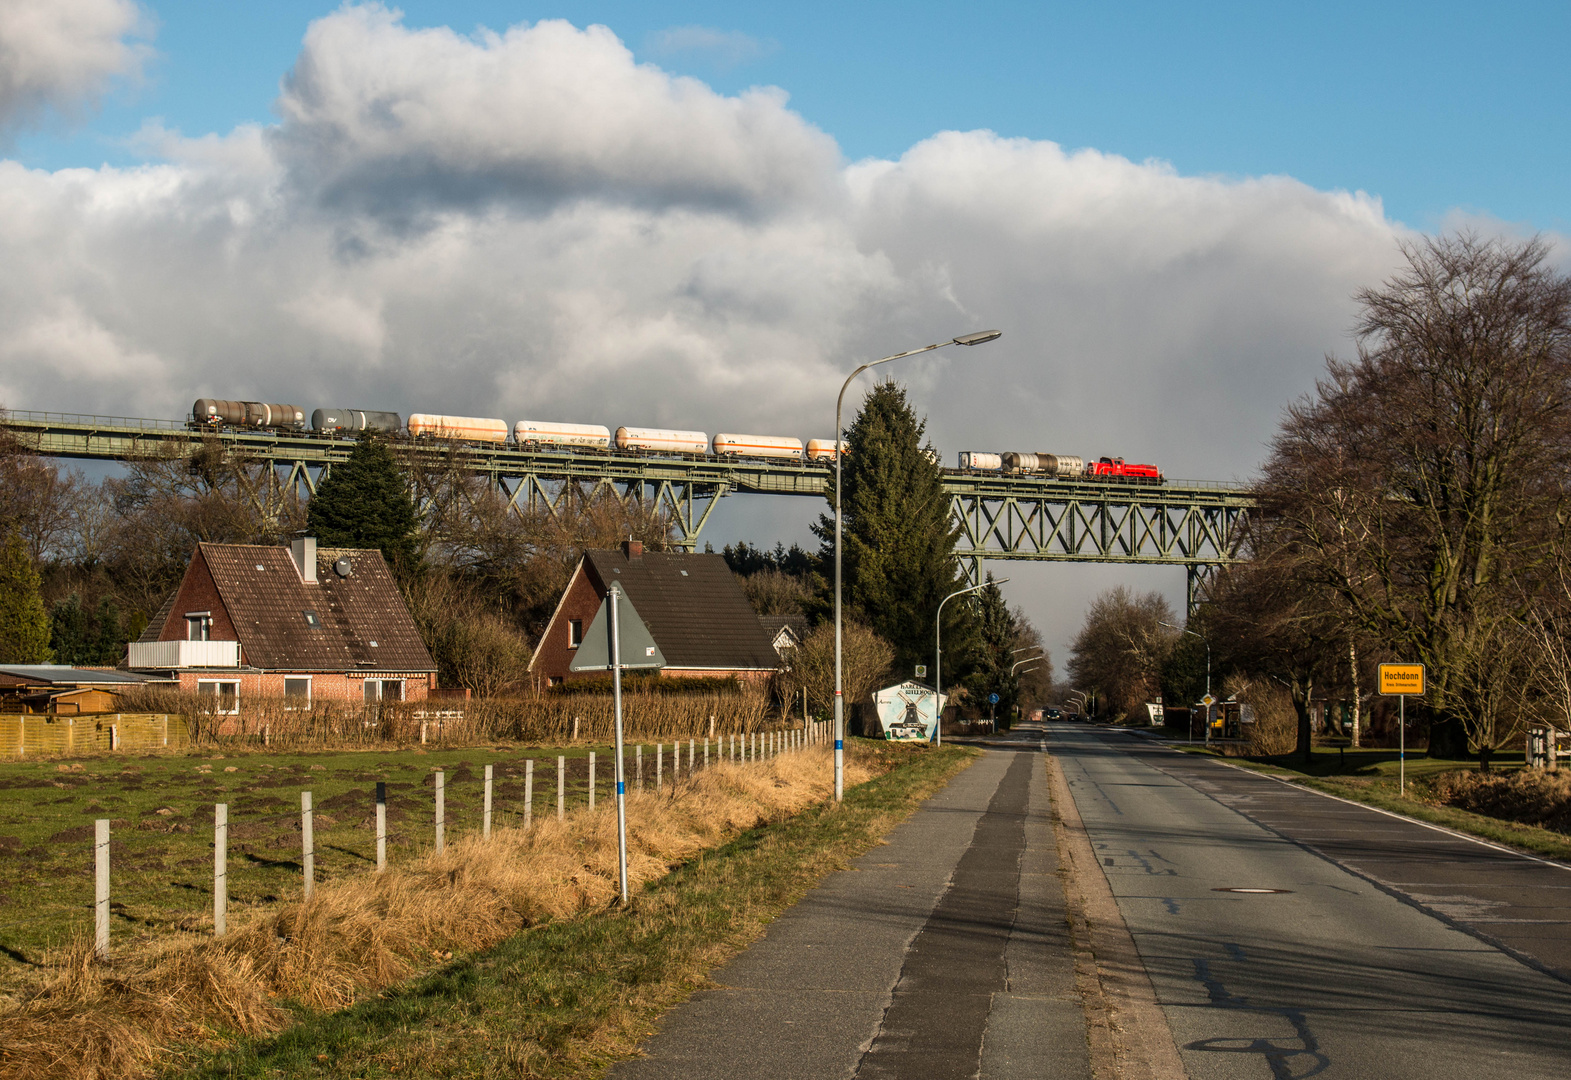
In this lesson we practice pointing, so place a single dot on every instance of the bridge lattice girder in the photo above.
(1180, 523)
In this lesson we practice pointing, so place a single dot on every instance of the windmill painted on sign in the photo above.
(617, 639)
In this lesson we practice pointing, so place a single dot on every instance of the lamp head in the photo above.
(979, 338)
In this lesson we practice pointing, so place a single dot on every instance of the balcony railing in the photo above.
(160, 655)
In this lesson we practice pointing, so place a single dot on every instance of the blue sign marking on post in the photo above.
(839, 745)
(992, 699)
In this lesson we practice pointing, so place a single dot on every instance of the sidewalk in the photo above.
(941, 953)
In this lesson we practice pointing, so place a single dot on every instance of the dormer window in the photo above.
(199, 626)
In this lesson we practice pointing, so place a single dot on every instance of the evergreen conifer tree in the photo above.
(68, 630)
(993, 657)
(24, 621)
(365, 503)
(110, 637)
(898, 562)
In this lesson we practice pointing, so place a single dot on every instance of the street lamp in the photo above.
(1207, 641)
(938, 648)
(979, 338)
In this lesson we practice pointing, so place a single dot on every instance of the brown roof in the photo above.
(692, 605)
(362, 622)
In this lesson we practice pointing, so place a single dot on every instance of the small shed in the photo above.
(907, 712)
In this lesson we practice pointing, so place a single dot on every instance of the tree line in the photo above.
(1413, 508)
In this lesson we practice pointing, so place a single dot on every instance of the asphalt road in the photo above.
(941, 954)
(1370, 946)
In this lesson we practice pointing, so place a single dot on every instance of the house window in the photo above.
(313, 622)
(297, 692)
(384, 690)
(222, 694)
(575, 633)
(199, 626)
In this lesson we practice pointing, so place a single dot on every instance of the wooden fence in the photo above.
(23, 736)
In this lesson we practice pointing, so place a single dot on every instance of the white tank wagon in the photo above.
(758, 446)
(1065, 465)
(662, 440)
(457, 428)
(823, 449)
(214, 412)
(544, 433)
(355, 420)
(981, 461)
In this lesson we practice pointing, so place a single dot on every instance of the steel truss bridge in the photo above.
(1179, 523)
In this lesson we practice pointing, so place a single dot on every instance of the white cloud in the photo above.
(531, 224)
(724, 48)
(59, 55)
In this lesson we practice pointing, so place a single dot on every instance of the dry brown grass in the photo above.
(1530, 796)
(116, 1019)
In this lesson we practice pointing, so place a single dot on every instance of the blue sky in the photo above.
(1432, 107)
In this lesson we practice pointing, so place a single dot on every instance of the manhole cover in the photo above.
(1237, 889)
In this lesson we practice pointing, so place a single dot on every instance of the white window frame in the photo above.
(381, 690)
(575, 633)
(217, 695)
(291, 703)
(200, 621)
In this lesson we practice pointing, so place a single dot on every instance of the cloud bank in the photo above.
(533, 224)
(58, 56)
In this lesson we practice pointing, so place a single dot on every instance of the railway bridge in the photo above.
(1194, 524)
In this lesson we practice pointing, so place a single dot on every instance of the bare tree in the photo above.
(1119, 652)
(865, 659)
(1422, 484)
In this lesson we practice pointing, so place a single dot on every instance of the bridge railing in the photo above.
(123, 422)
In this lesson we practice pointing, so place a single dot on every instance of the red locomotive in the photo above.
(1117, 469)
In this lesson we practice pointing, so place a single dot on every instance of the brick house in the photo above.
(298, 622)
(691, 604)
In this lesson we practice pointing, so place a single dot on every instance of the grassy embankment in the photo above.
(1371, 777)
(570, 997)
(593, 972)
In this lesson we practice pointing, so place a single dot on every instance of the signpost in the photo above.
(612, 635)
(1207, 701)
(1400, 680)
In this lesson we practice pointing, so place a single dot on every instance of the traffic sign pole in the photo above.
(1401, 742)
(1398, 681)
(612, 596)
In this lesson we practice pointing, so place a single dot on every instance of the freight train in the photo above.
(214, 414)
(1063, 466)
(210, 413)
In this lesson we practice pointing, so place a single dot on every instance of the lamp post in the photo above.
(938, 650)
(1207, 642)
(979, 338)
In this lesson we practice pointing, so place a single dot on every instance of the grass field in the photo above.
(569, 997)
(1372, 777)
(161, 850)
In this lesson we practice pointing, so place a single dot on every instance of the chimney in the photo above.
(633, 549)
(303, 551)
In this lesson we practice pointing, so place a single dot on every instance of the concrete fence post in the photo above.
(529, 792)
(422, 732)
(114, 736)
(307, 843)
(381, 826)
(711, 726)
(692, 748)
(441, 810)
(575, 729)
(561, 788)
(101, 887)
(706, 755)
(638, 762)
(220, 869)
(659, 766)
(591, 779)
(485, 820)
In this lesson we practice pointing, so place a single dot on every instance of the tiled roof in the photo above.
(693, 606)
(361, 621)
(773, 624)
